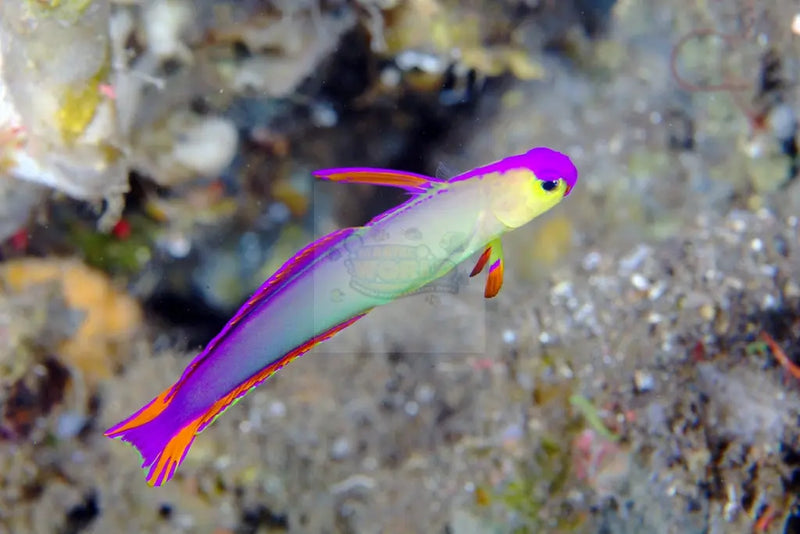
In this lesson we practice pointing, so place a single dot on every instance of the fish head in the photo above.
(554, 171)
(530, 184)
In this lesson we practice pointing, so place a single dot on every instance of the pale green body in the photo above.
(393, 255)
(335, 280)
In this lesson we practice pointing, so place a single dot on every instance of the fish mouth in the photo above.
(568, 190)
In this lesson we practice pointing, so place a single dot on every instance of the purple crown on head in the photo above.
(545, 163)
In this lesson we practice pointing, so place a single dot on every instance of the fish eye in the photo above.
(549, 185)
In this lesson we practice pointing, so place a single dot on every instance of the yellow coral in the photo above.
(495, 61)
(428, 25)
(68, 8)
(425, 24)
(78, 105)
(111, 317)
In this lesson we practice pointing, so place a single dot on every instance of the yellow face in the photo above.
(518, 196)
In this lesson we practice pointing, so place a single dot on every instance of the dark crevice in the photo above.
(81, 516)
(254, 519)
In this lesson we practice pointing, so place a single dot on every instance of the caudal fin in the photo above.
(161, 441)
(164, 436)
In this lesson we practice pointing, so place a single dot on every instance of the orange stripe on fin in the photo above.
(239, 391)
(492, 254)
(495, 279)
(163, 449)
(275, 283)
(146, 414)
(167, 461)
(416, 183)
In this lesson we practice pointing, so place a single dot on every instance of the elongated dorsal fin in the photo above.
(412, 182)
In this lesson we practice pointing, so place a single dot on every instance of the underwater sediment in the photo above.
(637, 373)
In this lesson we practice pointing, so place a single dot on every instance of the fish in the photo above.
(337, 279)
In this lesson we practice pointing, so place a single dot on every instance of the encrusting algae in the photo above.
(109, 317)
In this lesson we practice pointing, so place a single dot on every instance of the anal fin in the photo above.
(241, 390)
(273, 285)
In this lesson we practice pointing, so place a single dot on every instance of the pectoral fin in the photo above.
(493, 255)
(481, 262)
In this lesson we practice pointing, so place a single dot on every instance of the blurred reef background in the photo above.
(639, 372)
